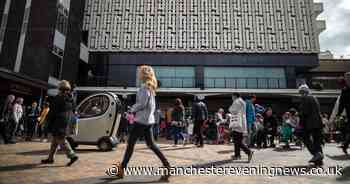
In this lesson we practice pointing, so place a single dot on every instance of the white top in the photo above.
(238, 122)
(17, 112)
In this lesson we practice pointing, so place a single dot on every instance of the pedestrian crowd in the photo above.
(20, 121)
(56, 116)
(245, 123)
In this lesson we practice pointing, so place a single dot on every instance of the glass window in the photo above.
(62, 16)
(175, 77)
(95, 106)
(244, 77)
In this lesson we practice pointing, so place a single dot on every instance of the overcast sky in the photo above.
(336, 37)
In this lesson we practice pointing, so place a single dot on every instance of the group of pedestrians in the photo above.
(246, 123)
(144, 110)
(11, 115)
(17, 120)
(55, 118)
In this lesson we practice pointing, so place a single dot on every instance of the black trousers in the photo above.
(313, 140)
(260, 138)
(146, 131)
(263, 138)
(11, 130)
(198, 131)
(43, 130)
(347, 135)
(31, 124)
(3, 130)
(238, 142)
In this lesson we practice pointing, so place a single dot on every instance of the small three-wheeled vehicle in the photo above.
(99, 117)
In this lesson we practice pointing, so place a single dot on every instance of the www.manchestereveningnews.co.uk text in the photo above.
(228, 171)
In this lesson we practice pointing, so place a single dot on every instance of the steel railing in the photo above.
(245, 83)
(209, 82)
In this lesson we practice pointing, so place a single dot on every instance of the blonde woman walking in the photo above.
(144, 119)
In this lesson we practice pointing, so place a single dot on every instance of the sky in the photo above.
(336, 37)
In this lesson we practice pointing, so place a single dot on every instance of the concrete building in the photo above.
(40, 43)
(222, 45)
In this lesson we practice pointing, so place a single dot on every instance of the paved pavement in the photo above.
(19, 163)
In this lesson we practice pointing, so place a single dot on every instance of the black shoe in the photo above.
(250, 156)
(345, 150)
(47, 161)
(11, 142)
(72, 160)
(166, 176)
(119, 174)
(28, 139)
(286, 147)
(318, 163)
(200, 146)
(236, 157)
(316, 157)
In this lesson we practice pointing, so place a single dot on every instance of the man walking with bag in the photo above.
(238, 125)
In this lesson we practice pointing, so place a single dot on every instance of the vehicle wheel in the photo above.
(72, 143)
(104, 145)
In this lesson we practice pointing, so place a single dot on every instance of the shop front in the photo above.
(21, 86)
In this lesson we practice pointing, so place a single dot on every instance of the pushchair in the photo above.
(221, 133)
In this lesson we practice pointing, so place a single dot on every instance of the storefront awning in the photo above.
(214, 92)
(20, 78)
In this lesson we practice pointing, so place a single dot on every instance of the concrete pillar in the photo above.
(291, 77)
(199, 78)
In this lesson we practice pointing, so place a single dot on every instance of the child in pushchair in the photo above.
(286, 130)
(212, 132)
(224, 134)
(297, 128)
(258, 130)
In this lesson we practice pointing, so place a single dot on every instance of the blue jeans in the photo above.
(177, 132)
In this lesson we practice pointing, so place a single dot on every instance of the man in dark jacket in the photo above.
(199, 115)
(60, 115)
(32, 118)
(270, 127)
(311, 122)
(344, 103)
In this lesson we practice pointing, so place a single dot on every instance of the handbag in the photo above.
(162, 125)
(235, 123)
(73, 125)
